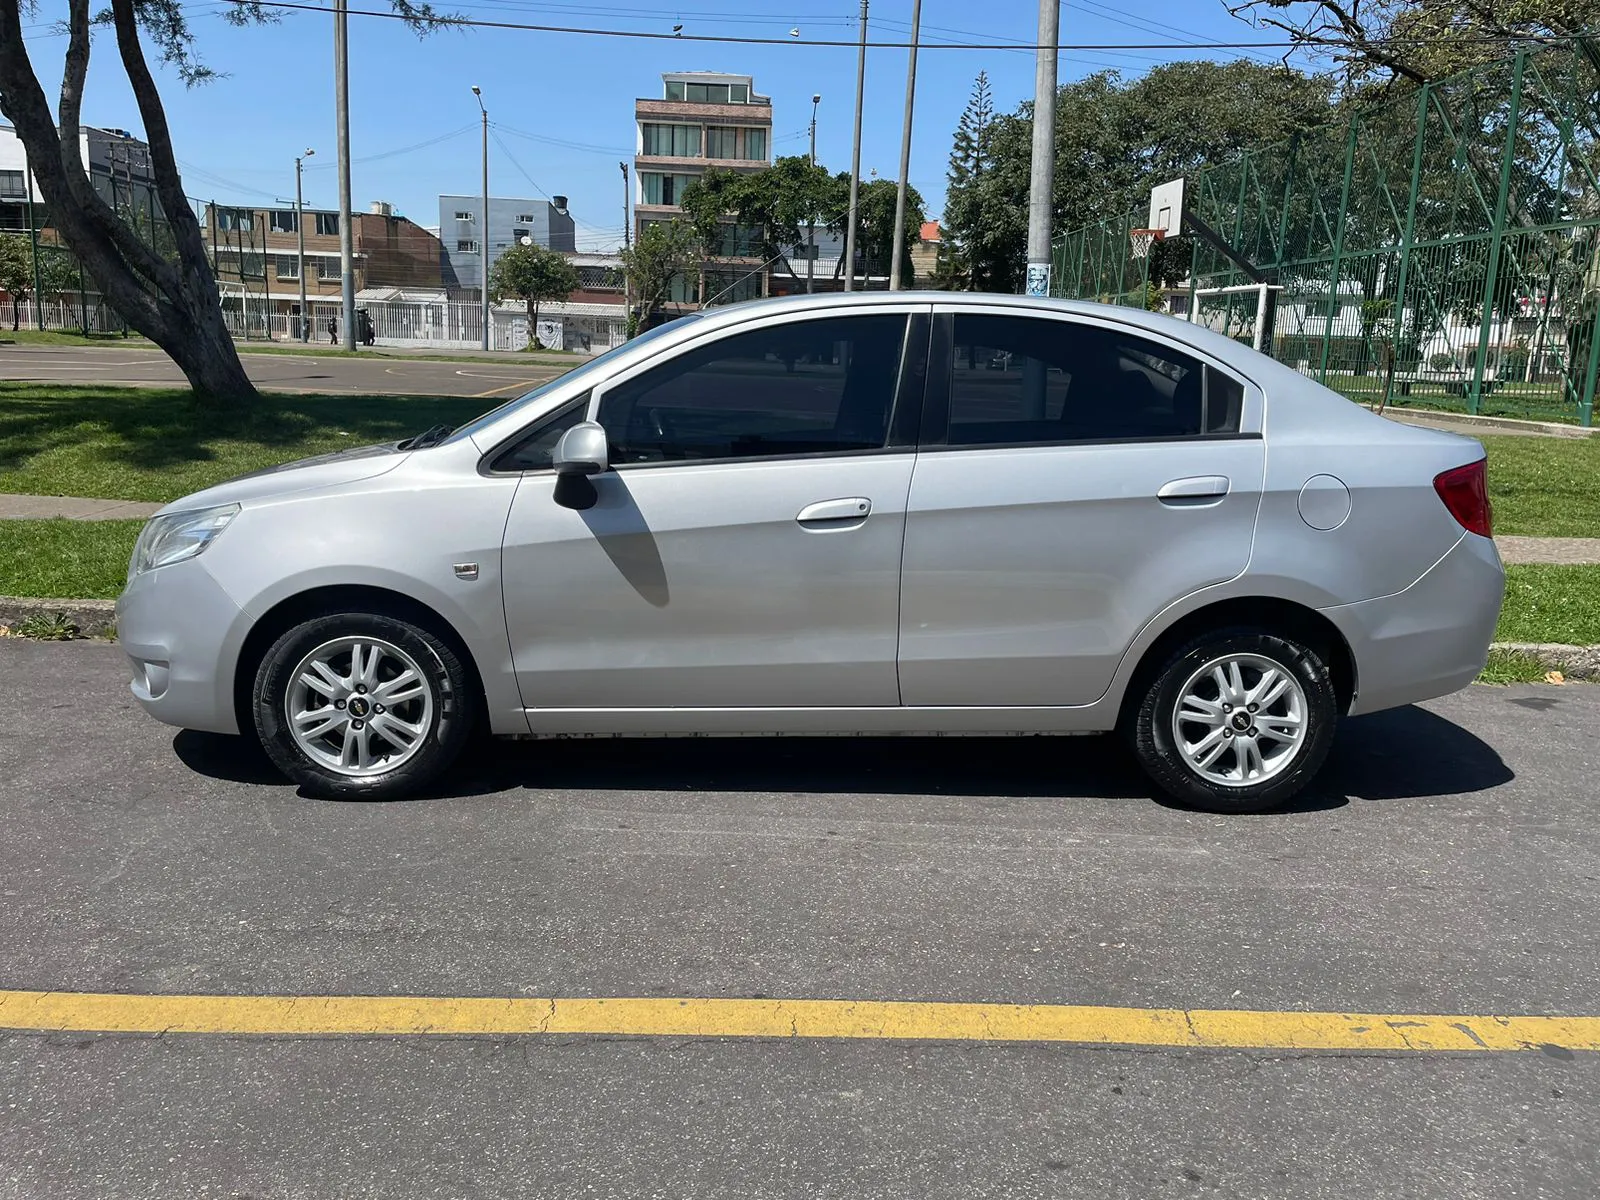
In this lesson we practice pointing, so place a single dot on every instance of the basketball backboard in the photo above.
(1166, 207)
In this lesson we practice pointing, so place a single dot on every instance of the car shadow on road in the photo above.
(1407, 753)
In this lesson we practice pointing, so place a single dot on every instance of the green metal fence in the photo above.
(1442, 249)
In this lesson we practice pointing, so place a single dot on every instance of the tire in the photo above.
(406, 743)
(1282, 764)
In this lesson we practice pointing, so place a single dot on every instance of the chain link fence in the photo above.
(1442, 249)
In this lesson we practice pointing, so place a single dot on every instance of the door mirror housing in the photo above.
(581, 451)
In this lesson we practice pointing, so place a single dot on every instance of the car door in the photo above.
(744, 549)
(1075, 477)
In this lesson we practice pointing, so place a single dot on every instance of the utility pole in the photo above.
(341, 113)
(811, 218)
(300, 244)
(483, 233)
(627, 223)
(898, 253)
(855, 160)
(1044, 129)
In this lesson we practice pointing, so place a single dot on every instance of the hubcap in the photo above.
(1240, 720)
(359, 706)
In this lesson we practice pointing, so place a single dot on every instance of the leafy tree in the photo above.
(1114, 140)
(776, 204)
(173, 303)
(1417, 41)
(533, 275)
(56, 272)
(663, 251)
(875, 203)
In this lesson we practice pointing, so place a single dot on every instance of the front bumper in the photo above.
(177, 626)
(1431, 639)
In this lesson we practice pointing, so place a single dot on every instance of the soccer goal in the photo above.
(1243, 312)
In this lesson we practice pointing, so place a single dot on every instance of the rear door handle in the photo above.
(835, 514)
(1198, 489)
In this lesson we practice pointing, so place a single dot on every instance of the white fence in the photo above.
(434, 325)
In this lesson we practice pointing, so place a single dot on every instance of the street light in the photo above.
(811, 224)
(300, 241)
(483, 232)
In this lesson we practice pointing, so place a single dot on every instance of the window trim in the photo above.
(940, 395)
(907, 383)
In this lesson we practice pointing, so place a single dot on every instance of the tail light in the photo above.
(1465, 492)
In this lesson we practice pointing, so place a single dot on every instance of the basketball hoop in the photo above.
(1143, 239)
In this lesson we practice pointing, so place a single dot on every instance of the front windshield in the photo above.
(594, 364)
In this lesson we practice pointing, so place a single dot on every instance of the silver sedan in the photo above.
(895, 513)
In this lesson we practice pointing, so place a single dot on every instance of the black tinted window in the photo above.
(805, 387)
(1029, 379)
(533, 452)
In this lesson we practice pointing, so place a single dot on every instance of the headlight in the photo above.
(178, 536)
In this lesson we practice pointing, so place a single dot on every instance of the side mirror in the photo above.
(581, 451)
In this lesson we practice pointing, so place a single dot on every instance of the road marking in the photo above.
(100, 1012)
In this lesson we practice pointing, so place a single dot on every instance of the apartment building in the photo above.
(118, 165)
(701, 120)
(256, 252)
(513, 220)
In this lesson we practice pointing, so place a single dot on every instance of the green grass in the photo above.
(1551, 604)
(162, 443)
(69, 337)
(1545, 487)
(72, 560)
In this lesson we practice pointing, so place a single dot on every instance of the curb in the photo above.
(95, 618)
(1552, 428)
(1574, 662)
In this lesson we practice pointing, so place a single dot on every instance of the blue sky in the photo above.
(562, 104)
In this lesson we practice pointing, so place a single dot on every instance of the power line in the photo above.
(814, 43)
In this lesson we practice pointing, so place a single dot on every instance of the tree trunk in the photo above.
(175, 305)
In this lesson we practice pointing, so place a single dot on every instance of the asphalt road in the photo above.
(282, 372)
(1451, 863)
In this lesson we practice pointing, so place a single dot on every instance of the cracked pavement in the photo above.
(1450, 864)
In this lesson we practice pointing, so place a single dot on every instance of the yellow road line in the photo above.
(708, 1017)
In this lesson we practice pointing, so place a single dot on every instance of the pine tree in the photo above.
(969, 160)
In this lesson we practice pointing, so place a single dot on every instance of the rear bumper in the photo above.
(175, 624)
(1431, 639)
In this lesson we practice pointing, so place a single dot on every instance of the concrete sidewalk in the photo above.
(1565, 551)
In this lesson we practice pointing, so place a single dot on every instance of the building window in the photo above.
(240, 219)
(710, 93)
(525, 219)
(328, 268)
(288, 266)
(328, 224)
(679, 141)
(12, 185)
(517, 236)
(466, 246)
(739, 93)
(282, 220)
(465, 215)
(722, 143)
(674, 89)
(755, 145)
(656, 188)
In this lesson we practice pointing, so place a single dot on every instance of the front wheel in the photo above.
(355, 705)
(1237, 721)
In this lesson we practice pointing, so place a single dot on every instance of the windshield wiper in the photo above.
(429, 437)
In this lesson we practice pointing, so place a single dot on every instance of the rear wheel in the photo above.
(361, 706)
(1237, 721)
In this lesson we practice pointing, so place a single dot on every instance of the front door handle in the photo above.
(1196, 490)
(835, 514)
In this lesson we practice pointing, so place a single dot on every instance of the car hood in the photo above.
(319, 471)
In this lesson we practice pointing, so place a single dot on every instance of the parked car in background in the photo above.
(837, 515)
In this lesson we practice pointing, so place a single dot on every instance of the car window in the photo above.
(1021, 380)
(533, 450)
(803, 387)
